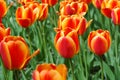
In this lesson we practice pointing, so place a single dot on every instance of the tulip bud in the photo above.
(99, 41)
(50, 72)
(15, 52)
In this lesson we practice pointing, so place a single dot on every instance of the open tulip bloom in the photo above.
(50, 72)
(15, 52)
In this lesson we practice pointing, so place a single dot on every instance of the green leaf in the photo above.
(108, 71)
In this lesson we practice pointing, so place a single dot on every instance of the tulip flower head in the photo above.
(78, 23)
(15, 52)
(26, 15)
(71, 8)
(115, 16)
(97, 3)
(108, 5)
(3, 32)
(3, 8)
(50, 72)
(99, 41)
(43, 11)
(67, 43)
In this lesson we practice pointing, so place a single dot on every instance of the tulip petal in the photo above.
(35, 75)
(24, 22)
(4, 52)
(66, 47)
(99, 45)
(18, 52)
(28, 58)
(45, 66)
(62, 70)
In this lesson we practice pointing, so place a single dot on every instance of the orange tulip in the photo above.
(15, 52)
(78, 23)
(26, 15)
(97, 3)
(71, 8)
(50, 72)
(67, 43)
(50, 2)
(115, 15)
(99, 41)
(43, 11)
(107, 6)
(3, 8)
(3, 32)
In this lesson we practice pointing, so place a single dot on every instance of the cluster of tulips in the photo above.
(71, 24)
(109, 8)
(14, 50)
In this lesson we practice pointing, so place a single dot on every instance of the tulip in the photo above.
(3, 31)
(97, 3)
(50, 2)
(99, 41)
(78, 23)
(67, 43)
(3, 8)
(115, 15)
(43, 11)
(26, 15)
(71, 8)
(107, 6)
(15, 53)
(50, 72)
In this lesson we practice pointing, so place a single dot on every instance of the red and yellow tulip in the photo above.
(71, 8)
(43, 11)
(26, 15)
(99, 41)
(75, 22)
(50, 72)
(107, 6)
(67, 43)
(3, 31)
(97, 3)
(115, 14)
(3, 8)
(14, 52)
(50, 2)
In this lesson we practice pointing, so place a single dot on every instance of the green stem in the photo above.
(23, 74)
(16, 75)
(86, 68)
(43, 42)
(72, 69)
(102, 72)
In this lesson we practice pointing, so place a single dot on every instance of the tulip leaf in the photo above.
(108, 71)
